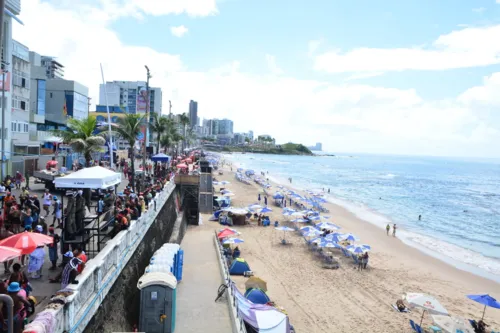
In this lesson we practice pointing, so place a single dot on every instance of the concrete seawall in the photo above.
(119, 311)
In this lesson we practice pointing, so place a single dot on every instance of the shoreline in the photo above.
(361, 298)
(407, 235)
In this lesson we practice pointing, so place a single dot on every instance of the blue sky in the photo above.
(369, 76)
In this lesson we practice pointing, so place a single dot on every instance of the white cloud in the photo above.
(194, 8)
(271, 64)
(469, 47)
(347, 117)
(179, 31)
(479, 10)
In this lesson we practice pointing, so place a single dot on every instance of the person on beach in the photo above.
(388, 228)
(47, 201)
(258, 197)
(360, 262)
(365, 260)
(394, 230)
(265, 201)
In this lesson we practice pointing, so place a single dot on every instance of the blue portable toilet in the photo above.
(158, 302)
(180, 264)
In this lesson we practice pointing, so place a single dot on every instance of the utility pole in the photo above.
(146, 135)
(2, 47)
(170, 109)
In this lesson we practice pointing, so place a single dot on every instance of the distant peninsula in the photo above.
(284, 149)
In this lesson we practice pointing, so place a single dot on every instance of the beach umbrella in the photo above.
(27, 242)
(233, 241)
(284, 229)
(312, 233)
(225, 182)
(350, 237)
(297, 214)
(8, 253)
(314, 218)
(327, 225)
(452, 324)
(225, 191)
(427, 303)
(227, 233)
(307, 229)
(335, 237)
(265, 210)
(231, 229)
(329, 244)
(357, 249)
(255, 282)
(318, 239)
(228, 194)
(255, 207)
(299, 221)
(486, 300)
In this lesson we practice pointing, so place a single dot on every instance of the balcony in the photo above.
(14, 6)
(40, 135)
(36, 118)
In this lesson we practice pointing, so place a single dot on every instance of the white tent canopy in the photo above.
(93, 177)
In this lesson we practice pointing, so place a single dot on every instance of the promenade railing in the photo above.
(237, 321)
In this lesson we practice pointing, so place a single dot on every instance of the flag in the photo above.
(65, 108)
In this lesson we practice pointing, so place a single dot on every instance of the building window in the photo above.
(23, 82)
(23, 105)
(13, 127)
(50, 95)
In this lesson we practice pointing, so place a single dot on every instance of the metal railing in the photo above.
(236, 321)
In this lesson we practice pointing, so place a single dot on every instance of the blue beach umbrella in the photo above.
(335, 237)
(233, 241)
(314, 218)
(486, 300)
(329, 244)
(308, 228)
(357, 249)
(284, 228)
(299, 221)
(350, 237)
(266, 210)
(327, 225)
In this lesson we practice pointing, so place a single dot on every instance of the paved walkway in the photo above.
(196, 307)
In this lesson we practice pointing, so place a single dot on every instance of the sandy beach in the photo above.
(348, 300)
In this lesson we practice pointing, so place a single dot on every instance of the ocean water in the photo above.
(459, 199)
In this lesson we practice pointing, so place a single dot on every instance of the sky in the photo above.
(413, 77)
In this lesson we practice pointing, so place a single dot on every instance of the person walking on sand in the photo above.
(394, 230)
(258, 198)
(388, 228)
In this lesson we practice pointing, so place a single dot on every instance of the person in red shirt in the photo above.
(80, 254)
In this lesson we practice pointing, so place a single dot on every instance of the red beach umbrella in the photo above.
(226, 233)
(27, 242)
(8, 253)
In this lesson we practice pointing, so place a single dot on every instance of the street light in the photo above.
(146, 136)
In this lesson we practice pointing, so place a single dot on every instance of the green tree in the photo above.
(80, 135)
(160, 126)
(184, 120)
(169, 135)
(129, 128)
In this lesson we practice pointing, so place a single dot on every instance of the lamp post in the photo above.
(146, 135)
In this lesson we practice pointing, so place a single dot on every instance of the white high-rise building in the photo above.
(131, 96)
(13, 8)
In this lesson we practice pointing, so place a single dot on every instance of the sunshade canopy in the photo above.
(93, 177)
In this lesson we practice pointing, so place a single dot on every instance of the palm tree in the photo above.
(184, 120)
(160, 126)
(129, 128)
(80, 135)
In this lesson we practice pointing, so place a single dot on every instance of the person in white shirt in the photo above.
(47, 201)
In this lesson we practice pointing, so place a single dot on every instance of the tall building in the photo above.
(23, 148)
(133, 97)
(64, 98)
(225, 127)
(13, 8)
(250, 135)
(53, 68)
(38, 84)
(193, 113)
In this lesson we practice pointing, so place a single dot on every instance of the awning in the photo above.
(9, 13)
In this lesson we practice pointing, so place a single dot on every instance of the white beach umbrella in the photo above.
(427, 303)
(255, 207)
(228, 194)
(452, 324)
(297, 214)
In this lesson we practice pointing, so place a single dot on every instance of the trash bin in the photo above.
(158, 302)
